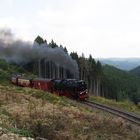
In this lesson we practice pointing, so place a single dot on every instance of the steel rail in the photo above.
(128, 116)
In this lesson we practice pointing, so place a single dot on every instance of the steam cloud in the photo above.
(19, 51)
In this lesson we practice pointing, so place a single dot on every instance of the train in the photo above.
(71, 88)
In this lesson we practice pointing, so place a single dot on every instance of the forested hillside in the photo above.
(120, 85)
(8, 69)
(136, 71)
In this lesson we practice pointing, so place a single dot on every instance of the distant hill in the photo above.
(135, 71)
(122, 63)
(119, 84)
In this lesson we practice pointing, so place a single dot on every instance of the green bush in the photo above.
(22, 132)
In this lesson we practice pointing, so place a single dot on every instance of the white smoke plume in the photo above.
(18, 51)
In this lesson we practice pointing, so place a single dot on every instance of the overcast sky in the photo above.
(103, 28)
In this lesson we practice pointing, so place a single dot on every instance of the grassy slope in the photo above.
(35, 113)
(125, 105)
(32, 112)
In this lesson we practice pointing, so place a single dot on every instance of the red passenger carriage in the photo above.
(42, 84)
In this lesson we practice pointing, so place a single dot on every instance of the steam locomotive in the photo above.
(71, 88)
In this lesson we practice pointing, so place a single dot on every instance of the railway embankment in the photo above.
(126, 106)
(32, 113)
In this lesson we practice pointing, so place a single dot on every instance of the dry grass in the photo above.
(54, 121)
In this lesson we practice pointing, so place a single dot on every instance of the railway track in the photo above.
(127, 116)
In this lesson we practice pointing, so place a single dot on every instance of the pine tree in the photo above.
(40, 40)
(52, 44)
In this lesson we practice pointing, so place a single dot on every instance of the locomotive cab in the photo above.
(82, 90)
